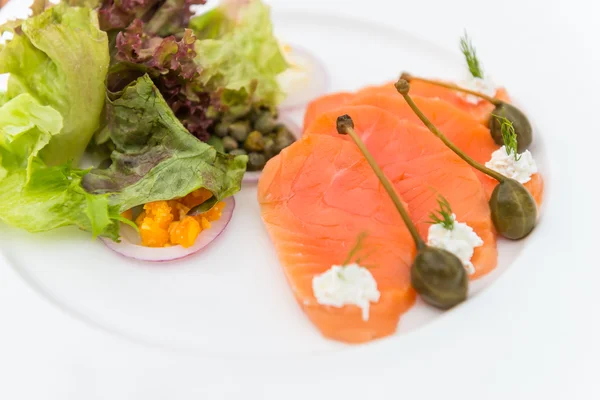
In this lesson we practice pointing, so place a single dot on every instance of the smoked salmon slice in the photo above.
(421, 167)
(316, 197)
(480, 111)
(469, 135)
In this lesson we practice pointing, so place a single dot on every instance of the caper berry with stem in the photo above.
(513, 209)
(502, 109)
(436, 274)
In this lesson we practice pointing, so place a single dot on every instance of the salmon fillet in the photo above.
(421, 167)
(316, 197)
(469, 135)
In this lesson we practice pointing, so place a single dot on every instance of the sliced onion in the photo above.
(130, 240)
(317, 80)
(253, 176)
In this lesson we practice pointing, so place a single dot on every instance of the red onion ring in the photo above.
(254, 176)
(318, 85)
(129, 246)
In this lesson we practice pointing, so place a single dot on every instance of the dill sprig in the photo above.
(470, 54)
(442, 216)
(355, 249)
(509, 136)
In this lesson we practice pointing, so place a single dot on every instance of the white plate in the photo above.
(232, 299)
(232, 302)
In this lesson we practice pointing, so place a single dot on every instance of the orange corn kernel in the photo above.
(152, 234)
(180, 210)
(204, 223)
(197, 197)
(184, 232)
(160, 212)
(214, 213)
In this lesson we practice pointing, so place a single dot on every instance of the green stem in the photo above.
(496, 175)
(388, 187)
(495, 101)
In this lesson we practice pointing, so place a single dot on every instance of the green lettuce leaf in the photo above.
(61, 58)
(53, 197)
(26, 127)
(155, 157)
(34, 196)
(240, 55)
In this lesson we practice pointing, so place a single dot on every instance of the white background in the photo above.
(543, 339)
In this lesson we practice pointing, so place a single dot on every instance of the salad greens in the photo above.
(243, 54)
(60, 57)
(163, 80)
(155, 158)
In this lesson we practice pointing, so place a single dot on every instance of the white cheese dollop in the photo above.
(460, 241)
(345, 285)
(519, 170)
(485, 86)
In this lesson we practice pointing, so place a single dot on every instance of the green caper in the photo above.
(514, 211)
(254, 142)
(256, 161)
(222, 129)
(238, 152)
(512, 207)
(439, 277)
(519, 121)
(271, 149)
(265, 123)
(230, 144)
(239, 111)
(239, 130)
(284, 138)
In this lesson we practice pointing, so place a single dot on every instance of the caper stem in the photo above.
(495, 101)
(386, 184)
(496, 175)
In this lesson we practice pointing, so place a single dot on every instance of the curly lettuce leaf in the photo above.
(161, 17)
(155, 157)
(34, 196)
(26, 127)
(53, 197)
(60, 57)
(245, 58)
(170, 63)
